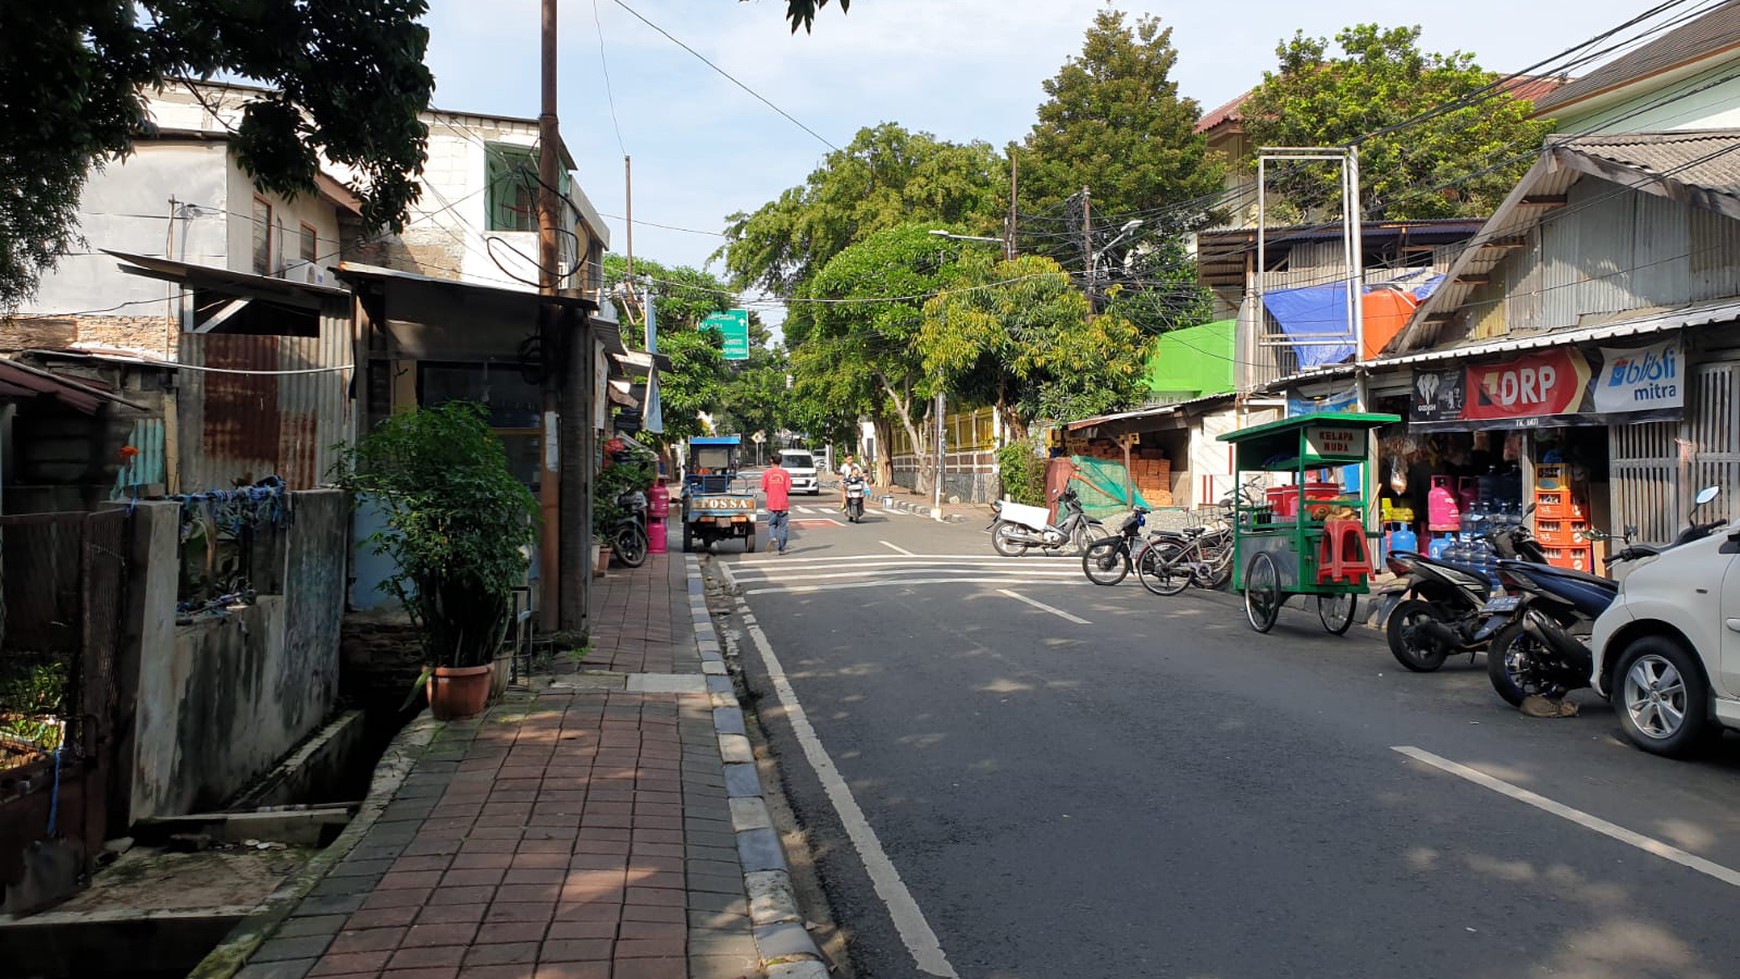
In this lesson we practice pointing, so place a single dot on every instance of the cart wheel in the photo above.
(1263, 596)
(1336, 612)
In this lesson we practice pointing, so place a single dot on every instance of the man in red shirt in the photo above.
(776, 486)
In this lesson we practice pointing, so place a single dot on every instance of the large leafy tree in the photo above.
(802, 13)
(682, 298)
(885, 177)
(857, 352)
(1019, 335)
(346, 79)
(1460, 162)
(1113, 122)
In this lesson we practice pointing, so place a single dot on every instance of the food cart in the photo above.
(1309, 538)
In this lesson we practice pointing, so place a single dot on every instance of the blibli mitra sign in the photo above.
(1641, 379)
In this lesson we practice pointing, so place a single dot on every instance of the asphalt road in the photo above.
(1156, 790)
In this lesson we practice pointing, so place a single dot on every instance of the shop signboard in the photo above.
(733, 328)
(1642, 379)
(1437, 396)
(1552, 382)
(1339, 403)
(1331, 441)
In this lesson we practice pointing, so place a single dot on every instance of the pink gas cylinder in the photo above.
(1442, 510)
(658, 509)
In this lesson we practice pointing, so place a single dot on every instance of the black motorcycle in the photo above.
(1107, 561)
(628, 539)
(1542, 647)
(1444, 603)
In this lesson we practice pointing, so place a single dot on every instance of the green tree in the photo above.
(1018, 334)
(347, 83)
(1458, 163)
(1113, 122)
(857, 354)
(887, 176)
(802, 13)
(682, 298)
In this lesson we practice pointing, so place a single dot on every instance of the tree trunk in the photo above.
(902, 402)
(884, 475)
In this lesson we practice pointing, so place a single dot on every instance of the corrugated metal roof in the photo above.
(1698, 157)
(1153, 412)
(23, 381)
(1713, 33)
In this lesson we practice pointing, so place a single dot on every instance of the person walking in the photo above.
(776, 487)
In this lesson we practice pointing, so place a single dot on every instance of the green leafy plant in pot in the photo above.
(458, 528)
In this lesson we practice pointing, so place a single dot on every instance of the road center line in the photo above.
(909, 921)
(1060, 613)
(896, 548)
(1645, 843)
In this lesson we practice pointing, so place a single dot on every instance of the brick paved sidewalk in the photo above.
(570, 833)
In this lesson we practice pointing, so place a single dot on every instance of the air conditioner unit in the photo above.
(308, 272)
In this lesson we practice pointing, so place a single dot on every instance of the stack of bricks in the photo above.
(1152, 473)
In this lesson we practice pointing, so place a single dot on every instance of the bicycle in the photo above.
(1198, 556)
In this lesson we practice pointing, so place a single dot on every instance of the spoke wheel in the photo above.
(1159, 569)
(1106, 562)
(631, 546)
(1263, 592)
(1336, 612)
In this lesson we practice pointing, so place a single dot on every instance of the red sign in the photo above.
(1549, 383)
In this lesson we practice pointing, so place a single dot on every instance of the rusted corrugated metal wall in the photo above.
(241, 427)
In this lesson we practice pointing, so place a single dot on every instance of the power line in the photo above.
(729, 77)
(609, 95)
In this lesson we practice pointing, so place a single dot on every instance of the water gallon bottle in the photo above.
(1442, 512)
(1439, 545)
(1402, 538)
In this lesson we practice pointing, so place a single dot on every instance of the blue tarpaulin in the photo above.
(1317, 313)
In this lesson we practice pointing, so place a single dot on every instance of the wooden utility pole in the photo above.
(549, 257)
(1087, 247)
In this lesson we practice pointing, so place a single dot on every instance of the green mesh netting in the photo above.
(1101, 485)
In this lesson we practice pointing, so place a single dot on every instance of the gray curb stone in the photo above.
(779, 932)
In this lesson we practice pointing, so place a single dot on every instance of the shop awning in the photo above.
(1157, 418)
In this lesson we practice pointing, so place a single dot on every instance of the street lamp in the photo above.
(945, 234)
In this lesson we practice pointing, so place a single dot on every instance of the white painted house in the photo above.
(1688, 78)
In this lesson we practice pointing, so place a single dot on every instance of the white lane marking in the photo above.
(897, 582)
(890, 513)
(1060, 613)
(772, 574)
(895, 547)
(1013, 564)
(1645, 843)
(803, 509)
(823, 520)
(909, 921)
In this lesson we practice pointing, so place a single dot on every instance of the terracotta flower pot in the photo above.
(457, 692)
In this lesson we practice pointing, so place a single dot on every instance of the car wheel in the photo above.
(1662, 698)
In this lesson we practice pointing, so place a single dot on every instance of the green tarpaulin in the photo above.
(1103, 490)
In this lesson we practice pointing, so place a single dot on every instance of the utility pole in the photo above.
(941, 407)
(1009, 224)
(1087, 247)
(549, 255)
(628, 212)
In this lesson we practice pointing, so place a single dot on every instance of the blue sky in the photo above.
(961, 69)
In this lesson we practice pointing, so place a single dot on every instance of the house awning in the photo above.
(288, 291)
(639, 363)
(1157, 418)
(622, 393)
(22, 382)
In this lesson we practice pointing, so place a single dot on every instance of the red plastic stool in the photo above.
(1341, 554)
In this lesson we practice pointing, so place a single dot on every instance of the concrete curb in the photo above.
(786, 949)
(396, 764)
(922, 510)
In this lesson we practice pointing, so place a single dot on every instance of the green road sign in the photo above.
(733, 326)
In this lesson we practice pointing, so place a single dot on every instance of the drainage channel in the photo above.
(168, 895)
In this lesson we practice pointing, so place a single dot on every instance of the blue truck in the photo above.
(717, 503)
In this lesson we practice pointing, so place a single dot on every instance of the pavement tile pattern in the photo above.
(569, 833)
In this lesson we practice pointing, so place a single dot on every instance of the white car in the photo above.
(802, 466)
(1666, 653)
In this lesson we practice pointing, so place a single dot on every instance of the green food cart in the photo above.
(1309, 538)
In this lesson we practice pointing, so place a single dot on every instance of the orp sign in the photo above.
(733, 327)
(1549, 383)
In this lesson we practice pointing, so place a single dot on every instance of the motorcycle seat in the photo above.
(1574, 575)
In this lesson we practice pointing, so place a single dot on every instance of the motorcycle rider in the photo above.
(847, 470)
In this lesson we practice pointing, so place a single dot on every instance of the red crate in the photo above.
(1559, 504)
(1560, 531)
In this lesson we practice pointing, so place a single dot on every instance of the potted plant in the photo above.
(600, 553)
(458, 530)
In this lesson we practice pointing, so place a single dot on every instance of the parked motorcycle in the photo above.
(855, 490)
(1544, 647)
(628, 540)
(1018, 527)
(1444, 607)
(1107, 561)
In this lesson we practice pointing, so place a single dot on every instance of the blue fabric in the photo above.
(1313, 313)
(778, 526)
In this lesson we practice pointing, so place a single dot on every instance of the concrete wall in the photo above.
(222, 701)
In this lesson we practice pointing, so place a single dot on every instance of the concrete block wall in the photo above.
(216, 703)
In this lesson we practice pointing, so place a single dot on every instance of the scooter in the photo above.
(1018, 527)
(1544, 648)
(1444, 607)
(855, 499)
(629, 541)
